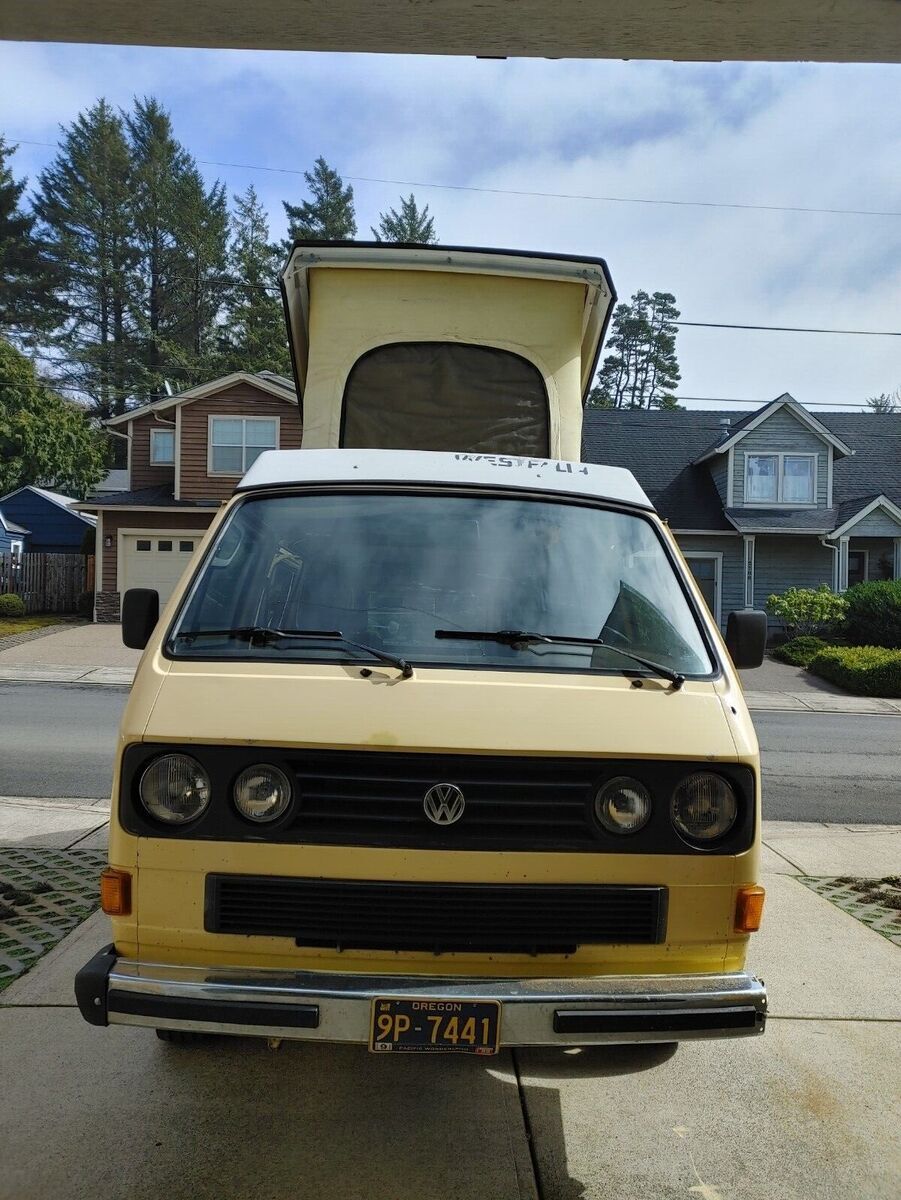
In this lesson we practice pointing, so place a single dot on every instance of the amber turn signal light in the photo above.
(115, 892)
(749, 909)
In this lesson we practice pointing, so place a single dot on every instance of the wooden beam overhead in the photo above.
(707, 30)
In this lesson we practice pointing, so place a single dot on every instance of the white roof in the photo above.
(276, 468)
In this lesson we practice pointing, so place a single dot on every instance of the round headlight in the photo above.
(623, 805)
(262, 793)
(704, 806)
(175, 789)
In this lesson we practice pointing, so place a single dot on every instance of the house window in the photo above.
(780, 479)
(164, 545)
(162, 447)
(858, 562)
(143, 545)
(237, 442)
(186, 547)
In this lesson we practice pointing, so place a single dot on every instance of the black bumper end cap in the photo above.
(91, 986)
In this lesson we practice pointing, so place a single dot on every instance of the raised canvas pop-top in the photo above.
(444, 348)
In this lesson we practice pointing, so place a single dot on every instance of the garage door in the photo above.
(156, 560)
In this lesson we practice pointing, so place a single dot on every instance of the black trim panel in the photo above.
(375, 798)
(605, 1021)
(91, 986)
(222, 1012)
(435, 918)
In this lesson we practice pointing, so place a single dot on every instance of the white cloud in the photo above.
(817, 136)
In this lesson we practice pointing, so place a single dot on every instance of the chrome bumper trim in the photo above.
(536, 1012)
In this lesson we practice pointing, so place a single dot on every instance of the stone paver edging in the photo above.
(33, 635)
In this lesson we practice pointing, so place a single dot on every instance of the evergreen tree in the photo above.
(254, 333)
(84, 204)
(408, 225)
(642, 371)
(885, 402)
(28, 304)
(201, 240)
(329, 214)
(43, 438)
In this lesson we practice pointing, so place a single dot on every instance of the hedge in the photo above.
(874, 613)
(867, 670)
(800, 650)
(11, 605)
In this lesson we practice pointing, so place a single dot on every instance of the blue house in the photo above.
(13, 538)
(766, 500)
(53, 526)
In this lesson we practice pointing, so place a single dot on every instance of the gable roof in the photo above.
(664, 449)
(11, 526)
(751, 420)
(266, 381)
(660, 448)
(57, 498)
(854, 511)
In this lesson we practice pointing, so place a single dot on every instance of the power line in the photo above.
(791, 329)
(461, 187)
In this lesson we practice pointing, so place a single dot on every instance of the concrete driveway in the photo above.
(807, 1112)
(78, 646)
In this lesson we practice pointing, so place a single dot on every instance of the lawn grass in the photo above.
(13, 625)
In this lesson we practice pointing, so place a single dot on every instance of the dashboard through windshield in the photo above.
(388, 569)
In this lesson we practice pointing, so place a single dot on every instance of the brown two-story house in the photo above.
(186, 453)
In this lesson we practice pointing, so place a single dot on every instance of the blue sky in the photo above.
(806, 135)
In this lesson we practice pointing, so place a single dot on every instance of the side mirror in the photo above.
(746, 637)
(140, 613)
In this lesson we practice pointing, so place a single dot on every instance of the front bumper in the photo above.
(328, 1007)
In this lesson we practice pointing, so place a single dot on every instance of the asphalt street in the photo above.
(59, 741)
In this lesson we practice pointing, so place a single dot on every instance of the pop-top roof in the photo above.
(282, 468)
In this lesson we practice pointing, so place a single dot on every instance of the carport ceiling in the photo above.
(823, 30)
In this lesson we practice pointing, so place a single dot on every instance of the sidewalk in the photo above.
(808, 1110)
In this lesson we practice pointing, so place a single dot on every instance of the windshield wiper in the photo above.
(521, 639)
(261, 635)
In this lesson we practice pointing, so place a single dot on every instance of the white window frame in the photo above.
(236, 417)
(154, 433)
(17, 548)
(717, 556)
(780, 456)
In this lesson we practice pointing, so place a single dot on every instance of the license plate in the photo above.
(449, 1026)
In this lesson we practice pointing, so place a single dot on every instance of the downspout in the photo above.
(836, 549)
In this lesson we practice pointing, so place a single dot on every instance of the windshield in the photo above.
(389, 569)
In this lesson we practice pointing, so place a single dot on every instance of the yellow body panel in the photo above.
(330, 706)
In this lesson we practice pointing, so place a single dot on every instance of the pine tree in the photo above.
(642, 371)
(329, 214)
(28, 304)
(254, 331)
(885, 402)
(408, 225)
(159, 165)
(201, 236)
(84, 205)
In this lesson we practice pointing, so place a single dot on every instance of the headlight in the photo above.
(623, 805)
(704, 807)
(175, 789)
(262, 793)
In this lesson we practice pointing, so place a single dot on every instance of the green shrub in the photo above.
(84, 605)
(808, 611)
(800, 650)
(874, 613)
(867, 670)
(11, 606)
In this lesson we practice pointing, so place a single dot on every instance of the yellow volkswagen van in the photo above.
(436, 746)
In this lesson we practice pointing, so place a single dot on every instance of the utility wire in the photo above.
(460, 187)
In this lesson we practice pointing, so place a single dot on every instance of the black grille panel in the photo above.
(435, 918)
(367, 799)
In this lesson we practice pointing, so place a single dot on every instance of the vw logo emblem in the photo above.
(444, 804)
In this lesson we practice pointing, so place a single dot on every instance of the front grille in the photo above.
(435, 918)
(373, 799)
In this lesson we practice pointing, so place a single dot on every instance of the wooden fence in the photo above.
(46, 582)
